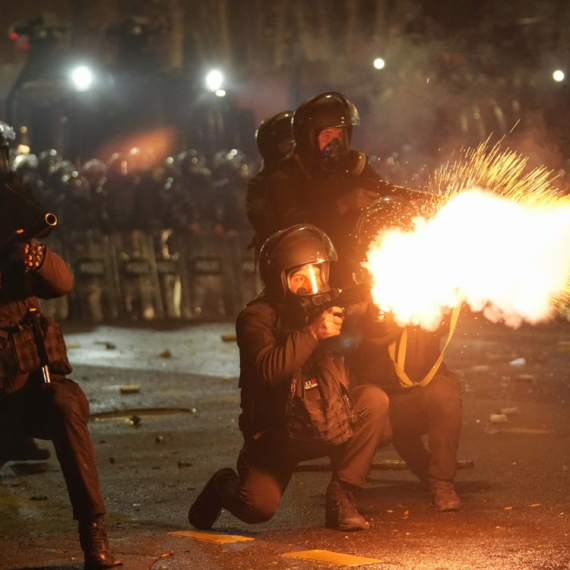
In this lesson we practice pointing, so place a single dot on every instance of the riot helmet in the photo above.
(121, 165)
(322, 126)
(48, 161)
(7, 134)
(191, 161)
(171, 167)
(274, 137)
(25, 164)
(232, 164)
(64, 168)
(95, 171)
(143, 159)
(76, 186)
(294, 266)
(54, 181)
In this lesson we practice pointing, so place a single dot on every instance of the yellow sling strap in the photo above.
(400, 362)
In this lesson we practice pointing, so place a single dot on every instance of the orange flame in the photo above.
(497, 237)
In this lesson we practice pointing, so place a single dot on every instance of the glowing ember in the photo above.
(497, 238)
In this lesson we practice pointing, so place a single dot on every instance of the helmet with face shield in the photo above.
(274, 138)
(322, 126)
(294, 266)
(7, 137)
(309, 279)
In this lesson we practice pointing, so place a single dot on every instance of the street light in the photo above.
(379, 63)
(214, 80)
(558, 75)
(82, 78)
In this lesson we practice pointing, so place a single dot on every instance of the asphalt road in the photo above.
(157, 446)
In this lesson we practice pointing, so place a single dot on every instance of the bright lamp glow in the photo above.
(214, 80)
(379, 63)
(558, 75)
(82, 78)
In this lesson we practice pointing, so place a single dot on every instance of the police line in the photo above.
(160, 275)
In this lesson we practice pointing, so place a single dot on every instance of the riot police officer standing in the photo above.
(325, 182)
(275, 141)
(232, 171)
(36, 398)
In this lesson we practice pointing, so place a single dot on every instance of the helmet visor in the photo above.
(308, 279)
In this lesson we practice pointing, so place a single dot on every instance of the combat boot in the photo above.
(443, 495)
(93, 539)
(208, 505)
(341, 512)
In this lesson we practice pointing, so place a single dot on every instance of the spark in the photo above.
(504, 173)
(495, 235)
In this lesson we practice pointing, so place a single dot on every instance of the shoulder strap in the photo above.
(400, 361)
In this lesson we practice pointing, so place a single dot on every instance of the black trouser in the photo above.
(265, 465)
(58, 411)
(435, 410)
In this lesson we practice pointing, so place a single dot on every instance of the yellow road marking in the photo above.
(332, 557)
(209, 536)
(527, 431)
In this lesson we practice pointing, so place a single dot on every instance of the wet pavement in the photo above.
(164, 404)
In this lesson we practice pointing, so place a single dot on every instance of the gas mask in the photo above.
(336, 148)
(333, 142)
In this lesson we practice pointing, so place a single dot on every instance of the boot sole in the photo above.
(348, 528)
(447, 509)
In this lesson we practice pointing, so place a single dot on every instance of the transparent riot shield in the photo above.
(203, 275)
(242, 283)
(86, 260)
(138, 276)
(170, 271)
(95, 296)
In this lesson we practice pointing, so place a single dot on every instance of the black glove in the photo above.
(31, 254)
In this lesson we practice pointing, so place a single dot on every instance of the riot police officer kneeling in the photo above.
(296, 399)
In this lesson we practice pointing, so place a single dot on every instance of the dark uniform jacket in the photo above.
(258, 207)
(269, 357)
(297, 195)
(19, 290)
